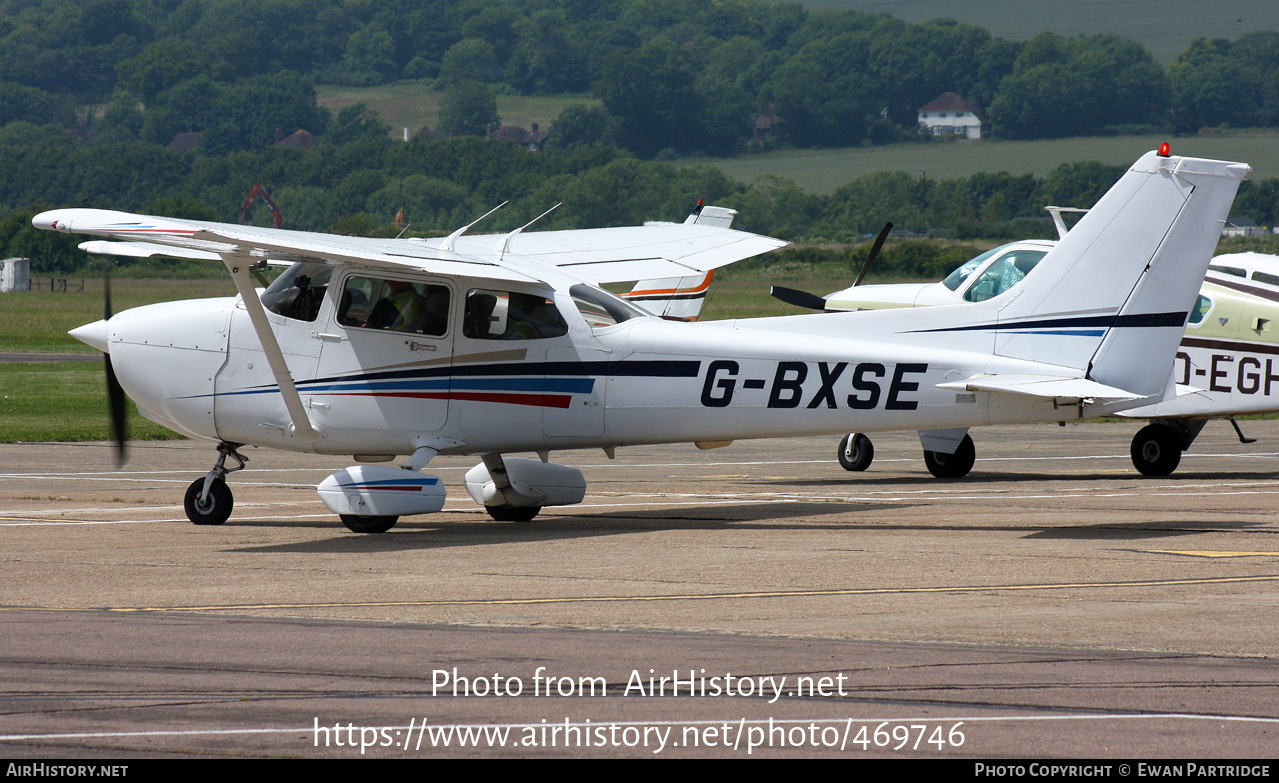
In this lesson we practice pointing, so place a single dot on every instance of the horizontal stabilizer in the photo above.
(1045, 386)
(720, 217)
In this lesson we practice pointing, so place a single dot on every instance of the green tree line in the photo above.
(359, 186)
(676, 76)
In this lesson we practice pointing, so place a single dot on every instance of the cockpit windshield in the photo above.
(1004, 273)
(965, 270)
(298, 292)
(1007, 270)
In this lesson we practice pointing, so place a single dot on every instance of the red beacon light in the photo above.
(1165, 150)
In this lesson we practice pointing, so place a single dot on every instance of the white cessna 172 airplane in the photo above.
(491, 345)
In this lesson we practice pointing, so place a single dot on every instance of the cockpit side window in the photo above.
(1229, 270)
(1203, 306)
(511, 315)
(1003, 274)
(299, 292)
(395, 305)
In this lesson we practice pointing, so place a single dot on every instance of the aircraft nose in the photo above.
(94, 334)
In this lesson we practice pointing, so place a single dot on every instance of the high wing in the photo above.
(601, 255)
(610, 255)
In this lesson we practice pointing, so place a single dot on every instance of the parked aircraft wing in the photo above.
(610, 255)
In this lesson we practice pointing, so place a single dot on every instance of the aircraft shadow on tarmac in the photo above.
(428, 533)
(978, 477)
(1135, 531)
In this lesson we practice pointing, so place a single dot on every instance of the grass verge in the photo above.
(62, 401)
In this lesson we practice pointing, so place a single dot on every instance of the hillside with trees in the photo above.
(681, 76)
(94, 96)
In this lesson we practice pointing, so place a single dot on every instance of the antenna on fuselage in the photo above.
(500, 250)
(449, 240)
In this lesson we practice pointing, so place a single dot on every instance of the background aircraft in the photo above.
(1227, 365)
(499, 344)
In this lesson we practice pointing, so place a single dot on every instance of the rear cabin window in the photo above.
(602, 309)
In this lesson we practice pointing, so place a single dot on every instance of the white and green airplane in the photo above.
(1227, 364)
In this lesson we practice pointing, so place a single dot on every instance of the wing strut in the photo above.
(239, 266)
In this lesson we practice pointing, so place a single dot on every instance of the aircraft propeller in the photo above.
(813, 301)
(116, 401)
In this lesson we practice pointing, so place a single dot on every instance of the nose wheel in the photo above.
(211, 508)
(208, 501)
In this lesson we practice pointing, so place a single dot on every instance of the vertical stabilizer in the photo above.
(1137, 260)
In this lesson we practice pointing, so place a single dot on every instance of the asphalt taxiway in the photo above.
(1053, 603)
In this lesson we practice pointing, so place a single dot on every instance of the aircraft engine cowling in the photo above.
(381, 490)
(533, 483)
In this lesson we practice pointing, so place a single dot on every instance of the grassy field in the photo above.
(1165, 28)
(37, 322)
(414, 105)
(62, 401)
(823, 171)
(66, 401)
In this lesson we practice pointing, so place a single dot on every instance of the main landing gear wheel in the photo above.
(954, 465)
(1156, 450)
(213, 511)
(513, 513)
(855, 452)
(359, 524)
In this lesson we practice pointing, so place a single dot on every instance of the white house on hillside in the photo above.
(949, 114)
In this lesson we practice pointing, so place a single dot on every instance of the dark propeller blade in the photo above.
(115, 392)
(798, 298)
(874, 251)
